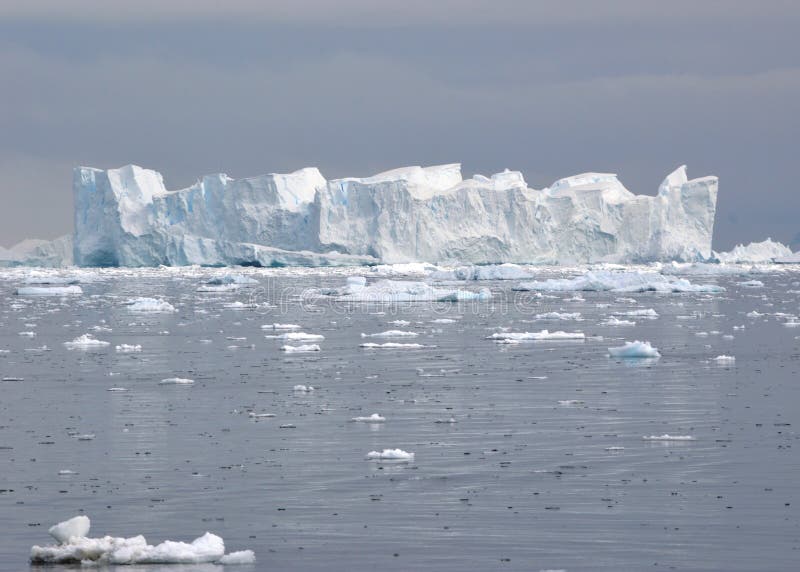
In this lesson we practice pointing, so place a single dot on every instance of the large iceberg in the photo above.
(127, 217)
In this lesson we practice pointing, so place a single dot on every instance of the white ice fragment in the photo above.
(128, 348)
(280, 327)
(391, 455)
(391, 334)
(667, 437)
(76, 527)
(303, 388)
(400, 323)
(614, 321)
(634, 349)
(176, 381)
(559, 316)
(239, 557)
(542, 335)
(150, 305)
(52, 291)
(635, 281)
(394, 346)
(301, 337)
(303, 348)
(86, 341)
(724, 359)
(374, 418)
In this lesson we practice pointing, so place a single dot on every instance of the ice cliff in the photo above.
(127, 217)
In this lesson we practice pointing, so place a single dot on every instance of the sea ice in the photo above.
(176, 381)
(391, 334)
(635, 349)
(394, 346)
(303, 348)
(374, 418)
(390, 454)
(357, 290)
(150, 305)
(604, 280)
(51, 291)
(542, 335)
(667, 437)
(128, 348)
(86, 341)
(301, 337)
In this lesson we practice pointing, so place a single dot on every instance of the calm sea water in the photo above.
(545, 467)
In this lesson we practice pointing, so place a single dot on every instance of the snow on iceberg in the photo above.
(75, 547)
(127, 217)
(48, 291)
(635, 349)
(605, 280)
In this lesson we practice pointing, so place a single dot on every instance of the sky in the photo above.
(354, 87)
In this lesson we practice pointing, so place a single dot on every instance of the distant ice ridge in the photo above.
(755, 252)
(75, 547)
(127, 217)
(604, 280)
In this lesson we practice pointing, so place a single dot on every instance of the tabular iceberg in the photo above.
(126, 217)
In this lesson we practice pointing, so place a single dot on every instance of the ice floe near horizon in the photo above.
(393, 346)
(389, 291)
(391, 334)
(75, 547)
(618, 281)
(506, 271)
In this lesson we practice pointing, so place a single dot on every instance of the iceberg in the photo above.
(127, 217)
(603, 280)
(765, 251)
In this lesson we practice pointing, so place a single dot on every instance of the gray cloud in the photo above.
(546, 90)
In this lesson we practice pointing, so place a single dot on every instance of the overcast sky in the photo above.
(359, 86)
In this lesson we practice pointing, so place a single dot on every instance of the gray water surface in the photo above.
(519, 482)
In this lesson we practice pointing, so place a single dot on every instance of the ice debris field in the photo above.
(647, 412)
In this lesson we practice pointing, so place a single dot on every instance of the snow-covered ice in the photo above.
(49, 291)
(542, 335)
(388, 291)
(150, 305)
(303, 348)
(391, 455)
(374, 418)
(86, 341)
(391, 334)
(176, 381)
(128, 348)
(616, 281)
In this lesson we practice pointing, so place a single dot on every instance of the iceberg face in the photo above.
(127, 217)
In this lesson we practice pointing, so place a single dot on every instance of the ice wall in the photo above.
(127, 217)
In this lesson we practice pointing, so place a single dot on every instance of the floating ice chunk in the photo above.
(559, 316)
(239, 557)
(643, 313)
(52, 291)
(86, 341)
(724, 359)
(614, 321)
(569, 402)
(27, 334)
(303, 388)
(487, 272)
(116, 389)
(751, 284)
(603, 280)
(128, 348)
(635, 349)
(764, 251)
(444, 321)
(667, 437)
(255, 415)
(280, 327)
(86, 437)
(753, 314)
(231, 279)
(542, 335)
(301, 337)
(390, 455)
(449, 421)
(150, 305)
(391, 334)
(176, 381)
(394, 346)
(76, 527)
(615, 448)
(402, 291)
(66, 473)
(303, 348)
(374, 418)
(400, 323)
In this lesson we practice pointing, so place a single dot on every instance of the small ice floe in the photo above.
(393, 346)
(176, 381)
(444, 321)
(128, 348)
(667, 437)
(280, 327)
(254, 415)
(400, 323)
(231, 279)
(303, 348)
(391, 334)
(792, 322)
(86, 341)
(75, 547)
(100, 329)
(751, 284)
(66, 472)
(559, 316)
(643, 313)
(48, 291)
(117, 389)
(701, 334)
(635, 349)
(150, 305)
(614, 321)
(390, 455)
(287, 426)
(723, 359)
(753, 314)
(374, 418)
(12, 378)
(238, 306)
(449, 421)
(86, 437)
(301, 337)
(303, 388)
(570, 402)
(542, 335)
(635, 281)
(615, 448)
(27, 334)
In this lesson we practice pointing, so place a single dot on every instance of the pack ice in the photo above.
(127, 217)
